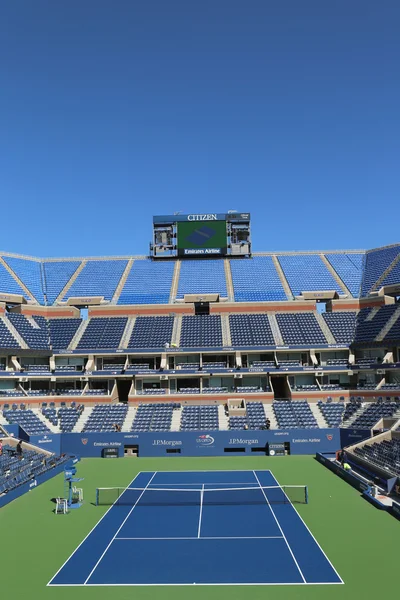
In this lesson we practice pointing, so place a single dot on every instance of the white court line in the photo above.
(117, 532)
(301, 584)
(313, 537)
(201, 510)
(157, 485)
(280, 528)
(256, 537)
(85, 538)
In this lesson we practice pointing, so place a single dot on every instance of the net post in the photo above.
(97, 496)
(306, 489)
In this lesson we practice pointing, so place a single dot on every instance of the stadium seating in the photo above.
(98, 278)
(27, 420)
(104, 417)
(151, 332)
(332, 412)
(349, 268)
(342, 325)
(307, 272)
(384, 454)
(367, 329)
(374, 412)
(15, 472)
(201, 331)
(199, 417)
(202, 277)
(103, 333)
(7, 340)
(376, 263)
(300, 329)
(148, 282)
(251, 330)
(294, 415)
(30, 273)
(34, 331)
(62, 332)
(8, 285)
(56, 275)
(255, 417)
(154, 417)
(256, 280)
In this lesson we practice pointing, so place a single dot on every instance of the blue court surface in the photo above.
(182, 537)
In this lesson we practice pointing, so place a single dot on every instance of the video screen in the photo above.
(198, 238)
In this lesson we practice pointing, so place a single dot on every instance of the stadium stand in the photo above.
(384, 454)
(103, 333)
(9, 285)
(27, 420)
(202, 277)
(154, 417)
(148, 282)
(34, 332)
(300, 329)
(293, 415)
(7, 340)
(375, 411)
(256, 280)
(349, 268)
(307, 272)
(151, 332)
(30, 273)
(62, 331)
(15, 472)
(97, 278)
(195, 417)
(342, 325)
(56, 275)
(251, 330)
(368, 328)
(376, 263)
(201, 331)
(104, 417)
(332, 412)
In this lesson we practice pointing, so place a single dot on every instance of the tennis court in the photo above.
(199, 528)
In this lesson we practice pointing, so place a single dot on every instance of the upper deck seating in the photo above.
(349, 268)
(376, 263)
(256, 280)
(202, 277)
(307, 273)
(30, 273)
(98, 278)
(148, 282)
(56, 274)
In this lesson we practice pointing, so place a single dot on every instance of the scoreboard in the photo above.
(200, 235)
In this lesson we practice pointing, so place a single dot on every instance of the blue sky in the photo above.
(113, 111)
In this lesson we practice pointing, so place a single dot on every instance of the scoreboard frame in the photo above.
(166, 242)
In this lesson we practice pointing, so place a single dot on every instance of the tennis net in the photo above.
(152, 496)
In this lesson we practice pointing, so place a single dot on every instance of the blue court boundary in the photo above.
(293, 521)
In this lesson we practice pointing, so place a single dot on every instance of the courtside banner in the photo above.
(202, 443)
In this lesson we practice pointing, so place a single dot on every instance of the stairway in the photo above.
(175, 282)
(70, 282)
(122, 282)
(226, 331)
(269, 414)
(176, 331)
(126, 336)
(319, 417)
(14, 332)
(325, 329)
(78, 334)
(82, 419)
(229, 281)
(354, 416)
(223, 420)
(282, 277)
(276, 332)
(53, 428)
(176, 419)
(388, 325)
(130, 417)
